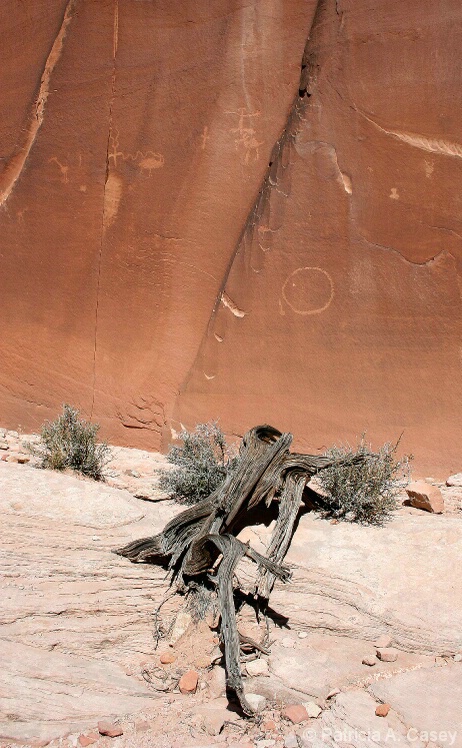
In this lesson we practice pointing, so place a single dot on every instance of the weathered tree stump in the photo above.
(203, 536)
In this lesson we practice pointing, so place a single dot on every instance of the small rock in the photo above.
(288, 643)
(95, 538)
(383, 641)
(312, 709)
(167, 658)
(85, 740)
(302, 634)
(296, 713)
(214, 721)
(458, 658)
(370, 660)
(333, 693)
(257, 667)
(290, 741)
(453, 480)
(387, 654)
(14, 457)
(382, 710)
(182, 623)
(188, 682)
(216, 656)
(423, 495)
(217, 682)
(265, 743)
(4, 445)
(110, 729)
(256, 702)
(269, 725)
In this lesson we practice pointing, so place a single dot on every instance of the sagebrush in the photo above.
(71, 442)
(202, 462)
(364, 491)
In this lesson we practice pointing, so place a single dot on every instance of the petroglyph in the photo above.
(308, 290)
(246, 141)
(64, 169)
(265, 237)
(16, 165)
(432, 145)
(146, 160)
(229, 304)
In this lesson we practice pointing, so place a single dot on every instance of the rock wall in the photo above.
(234, 210)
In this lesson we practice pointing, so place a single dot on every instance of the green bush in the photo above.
(364, 490)
(202, 463)
(70, 442)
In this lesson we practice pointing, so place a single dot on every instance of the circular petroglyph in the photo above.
(308, 290)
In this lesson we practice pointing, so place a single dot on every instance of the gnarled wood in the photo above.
(196, 538)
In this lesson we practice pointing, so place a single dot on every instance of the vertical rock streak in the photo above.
(17, 163)
(111, 196)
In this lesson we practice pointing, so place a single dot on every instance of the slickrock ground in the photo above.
(77, 640)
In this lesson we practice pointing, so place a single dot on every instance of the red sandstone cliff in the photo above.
(242, 210)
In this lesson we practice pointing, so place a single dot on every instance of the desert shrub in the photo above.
(201, 462)
(364, 490)
(70, 442)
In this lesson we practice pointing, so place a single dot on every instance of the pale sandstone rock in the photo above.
(353, 578)
(329, 662)
(426, 699)
(256, 701)
(387, 654)
(333, 692)
(423, 495)
(369, 660)
(312, 709)
(257, 667)
(453, 480)
(84, 502)
(353, 715)
(36, 600)
(110, 729)
(72, 613)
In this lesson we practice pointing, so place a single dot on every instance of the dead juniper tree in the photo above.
(200, 544)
